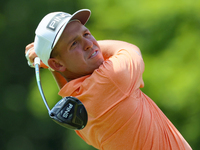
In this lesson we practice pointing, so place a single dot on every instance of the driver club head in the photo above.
(69, 112)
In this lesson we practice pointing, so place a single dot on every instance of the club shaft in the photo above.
(37, 73)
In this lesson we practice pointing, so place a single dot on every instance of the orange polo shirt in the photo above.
(120, 115)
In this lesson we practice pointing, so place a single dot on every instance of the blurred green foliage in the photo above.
(167, 33)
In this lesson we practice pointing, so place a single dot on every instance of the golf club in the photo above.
(69, 112)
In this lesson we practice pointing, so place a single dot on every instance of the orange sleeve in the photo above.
(126, 69)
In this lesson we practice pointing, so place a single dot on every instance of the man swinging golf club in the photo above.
(106, 76)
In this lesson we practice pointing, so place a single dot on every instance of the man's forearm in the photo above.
(111, 47)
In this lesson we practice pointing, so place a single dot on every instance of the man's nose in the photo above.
(87, 44)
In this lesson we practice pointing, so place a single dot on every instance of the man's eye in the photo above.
(86, 34)
(74, 43)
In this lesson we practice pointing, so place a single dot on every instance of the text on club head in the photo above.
(67, 110)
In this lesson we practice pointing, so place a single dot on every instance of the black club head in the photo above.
(70, 113)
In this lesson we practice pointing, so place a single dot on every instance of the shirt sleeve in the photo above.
(125, 70)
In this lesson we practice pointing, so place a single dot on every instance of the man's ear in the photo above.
(55, 65)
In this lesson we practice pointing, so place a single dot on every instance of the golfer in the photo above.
(106, 76)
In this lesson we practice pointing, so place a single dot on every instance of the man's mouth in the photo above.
(94, 54)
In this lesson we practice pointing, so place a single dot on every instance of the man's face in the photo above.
(78, 51)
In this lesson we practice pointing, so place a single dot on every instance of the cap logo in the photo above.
(56, 20)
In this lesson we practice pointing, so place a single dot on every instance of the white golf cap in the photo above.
(50, 29)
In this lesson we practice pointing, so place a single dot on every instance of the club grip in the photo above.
(37, 61)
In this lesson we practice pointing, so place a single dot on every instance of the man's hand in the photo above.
(31, 55)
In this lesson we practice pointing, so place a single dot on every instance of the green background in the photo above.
(167, 33)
